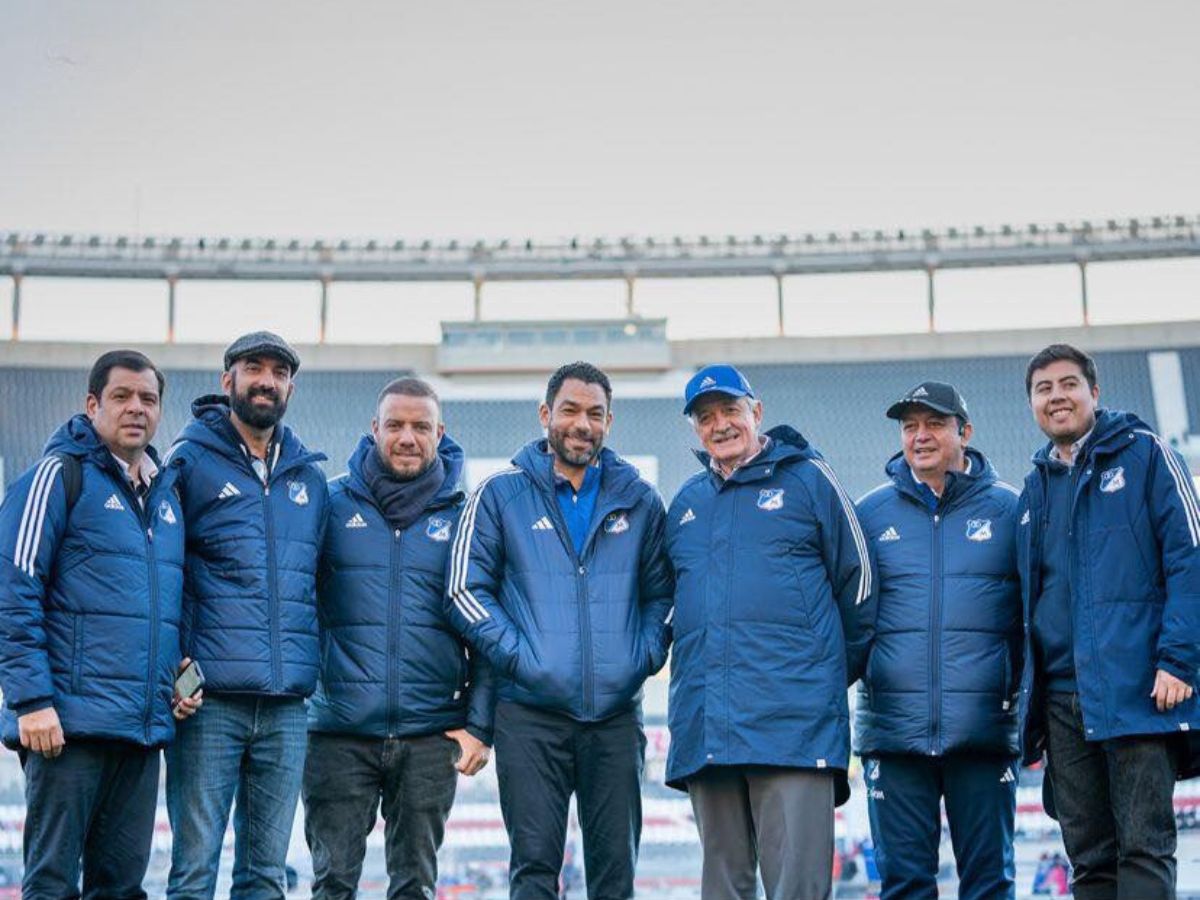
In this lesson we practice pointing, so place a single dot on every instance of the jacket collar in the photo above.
(958, 486)
(785, 445)
(619, 479)
(452, 460)
(1109, 433)
(210, 427)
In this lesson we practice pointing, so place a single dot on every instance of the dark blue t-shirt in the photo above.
(1052, 612)
(577, 508)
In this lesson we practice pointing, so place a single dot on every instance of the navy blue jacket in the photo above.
(391, 664)
(774, 611)
(1134, 566)
(943, 674)
(250, 597)
(90, 597)
(574, 633)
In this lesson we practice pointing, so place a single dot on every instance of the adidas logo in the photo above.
(113, 502)
(228, 491)
(688, 516)
(356, 521)
(709, 381)
(543, 524)
(1025, 518)
(920, 392)
(1008, 777)
(890, 535)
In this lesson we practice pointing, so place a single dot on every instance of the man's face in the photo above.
(407, 431)
(727, 427)
(127, 412)
(1064, 406)
(931, 442)
(259, 388)
(577, 423)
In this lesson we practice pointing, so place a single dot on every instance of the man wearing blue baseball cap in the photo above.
(774, 613)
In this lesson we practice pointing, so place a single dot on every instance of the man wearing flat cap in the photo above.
(937, 710)
(774, 610)
(254, 501)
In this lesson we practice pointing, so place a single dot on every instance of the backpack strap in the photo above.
(72, 477)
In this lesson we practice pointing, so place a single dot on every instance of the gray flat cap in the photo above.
(261, 343)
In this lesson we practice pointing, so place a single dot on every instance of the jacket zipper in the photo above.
(935, 626)
(392, 634)
(581, 592)
(272, 592)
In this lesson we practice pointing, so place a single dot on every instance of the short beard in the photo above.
(558, 443)
(426, 465)
(253, 415)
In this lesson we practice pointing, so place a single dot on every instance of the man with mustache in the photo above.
(559, 577)
(1109, 551)
(91, 581)
(255, 503)
(774, 612)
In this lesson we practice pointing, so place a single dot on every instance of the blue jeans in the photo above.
(248, 747)
(95, 802)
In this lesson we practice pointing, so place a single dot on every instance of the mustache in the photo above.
(262, 392)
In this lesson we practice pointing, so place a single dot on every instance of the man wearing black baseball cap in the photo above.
(254, 501)
(936, 713)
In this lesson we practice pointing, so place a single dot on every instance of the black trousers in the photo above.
(1114, 803)
(348, 780)
(90, 810)
(541, 759)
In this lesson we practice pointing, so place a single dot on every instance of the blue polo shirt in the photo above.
(578, 506)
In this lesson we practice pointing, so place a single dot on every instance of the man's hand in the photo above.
(475, 752)
(182, 707)
(41, 732)
(1169, 691)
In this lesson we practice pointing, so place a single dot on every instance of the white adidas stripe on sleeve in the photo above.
(1183, 487)
(466, 603)
(33, 517)
(860, 541)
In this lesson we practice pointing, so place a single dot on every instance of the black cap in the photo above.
(261, 343)
(936, 395)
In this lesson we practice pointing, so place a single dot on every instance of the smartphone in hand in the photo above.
(189, 682)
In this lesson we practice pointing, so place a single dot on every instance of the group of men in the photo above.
(365, 641)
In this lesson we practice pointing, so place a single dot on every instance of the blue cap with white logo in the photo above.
(716, 379)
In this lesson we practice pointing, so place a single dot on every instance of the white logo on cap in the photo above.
(708, 381)
(920, 392)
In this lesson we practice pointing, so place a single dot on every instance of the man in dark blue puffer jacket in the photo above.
(91, 582)
(559, 577)
(255, 503)
(937, 711)
(774, 612)
(1109, 550)
(400, 708)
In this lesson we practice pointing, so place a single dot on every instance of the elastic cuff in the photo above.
(31, 706)
(1183, 673)
(485, 736)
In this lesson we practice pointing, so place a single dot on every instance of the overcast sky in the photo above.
(555, 119)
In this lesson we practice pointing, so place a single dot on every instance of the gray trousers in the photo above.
(779, 820)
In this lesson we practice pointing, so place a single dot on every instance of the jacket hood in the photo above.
(1110, 423)
(537, 460)
(77, 437)
(453, 460)
(958, 484)
(211, 427)
(786, 443)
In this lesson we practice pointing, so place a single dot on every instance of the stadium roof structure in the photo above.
(45, 254)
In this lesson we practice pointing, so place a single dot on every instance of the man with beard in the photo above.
(559, 577)
(254, 501)
(1109, 551)
(88, 673)
(399, 705)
